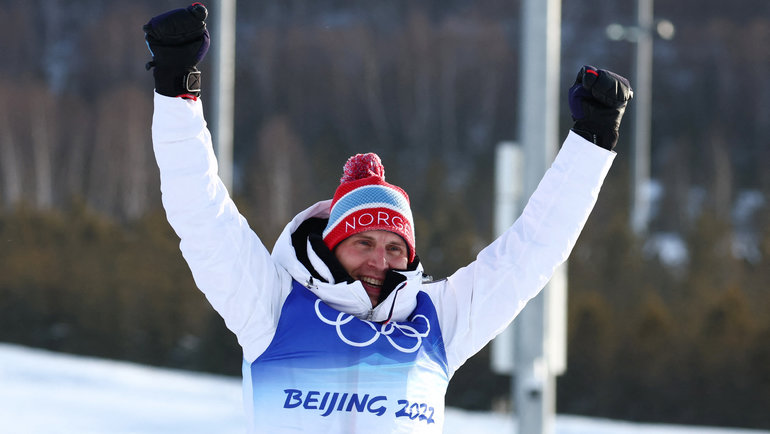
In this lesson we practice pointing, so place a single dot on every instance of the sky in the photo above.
(48, 392)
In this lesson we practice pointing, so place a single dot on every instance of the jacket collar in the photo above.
(347, 297)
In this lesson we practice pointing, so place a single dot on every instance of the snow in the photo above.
(747, 203)
(45, 392)
(670, 247)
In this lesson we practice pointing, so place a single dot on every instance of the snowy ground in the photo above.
(46, 392)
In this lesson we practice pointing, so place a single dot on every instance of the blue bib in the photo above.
(328, 371)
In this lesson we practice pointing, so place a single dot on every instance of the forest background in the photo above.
(668, 326)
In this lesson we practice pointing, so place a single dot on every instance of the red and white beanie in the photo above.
(365, 202)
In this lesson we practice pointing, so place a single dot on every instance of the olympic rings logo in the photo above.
(386, 330)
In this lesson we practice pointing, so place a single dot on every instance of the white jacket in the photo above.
(248, 286)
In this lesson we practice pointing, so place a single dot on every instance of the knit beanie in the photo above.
(365, 202)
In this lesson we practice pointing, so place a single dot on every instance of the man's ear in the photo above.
(413, 265)
(330, 259)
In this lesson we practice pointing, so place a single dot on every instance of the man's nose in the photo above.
(378, 258)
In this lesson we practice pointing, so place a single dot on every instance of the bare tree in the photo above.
(10, 166)
(722, 178)
(28, 144)
(372, 86)
(416, 76)
(121, 172)
(75, 152)
(43, 141)
(279, 174)
(448, 88)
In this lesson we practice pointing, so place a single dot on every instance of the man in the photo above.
(339, 331)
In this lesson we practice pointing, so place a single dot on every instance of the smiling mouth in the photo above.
(372, 282)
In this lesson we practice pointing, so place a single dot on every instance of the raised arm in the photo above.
(478, 301)
(228, 261)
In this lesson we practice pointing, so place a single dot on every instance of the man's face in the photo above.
(367, 256)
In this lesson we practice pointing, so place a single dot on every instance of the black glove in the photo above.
(178, 41)
(597, 101)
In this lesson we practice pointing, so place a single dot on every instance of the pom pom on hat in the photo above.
(362, 166)
(365, 202)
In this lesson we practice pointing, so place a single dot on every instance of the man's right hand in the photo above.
(178, 40)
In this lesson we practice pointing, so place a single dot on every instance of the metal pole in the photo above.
(223, 86)
(640, 208)
(534, 386)
(509, 169)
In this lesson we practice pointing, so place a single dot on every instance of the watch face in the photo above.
(193, 81)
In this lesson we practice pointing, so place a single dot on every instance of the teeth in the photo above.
(371, 281)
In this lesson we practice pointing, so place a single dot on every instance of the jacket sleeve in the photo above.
(478, 301)
(228, 261)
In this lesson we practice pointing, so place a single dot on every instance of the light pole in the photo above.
(534, 383)
(223, 86)
(642, 34)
